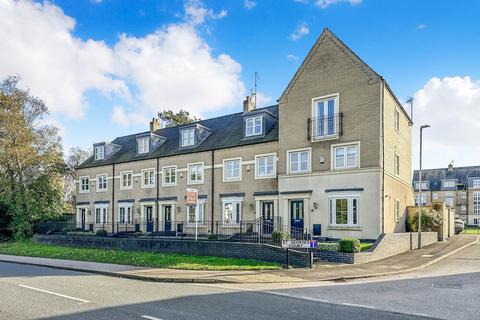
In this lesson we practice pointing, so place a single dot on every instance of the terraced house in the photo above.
(332, 159)
(458, 187)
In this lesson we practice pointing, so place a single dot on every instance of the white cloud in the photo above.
(249, 4)
(123, 118)
(263, 100)
(292, 57)
(421, 26)
(196, 12)
(326, 3)
(301, 31)
(452, 107)
(172, 67)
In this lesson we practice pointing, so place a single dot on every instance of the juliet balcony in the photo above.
(325, 128)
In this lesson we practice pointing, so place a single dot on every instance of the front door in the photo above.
(296, 214)
(149, 216)
(82, 214)
(267, 216)
(167, 210)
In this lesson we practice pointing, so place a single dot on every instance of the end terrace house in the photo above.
(332, 159)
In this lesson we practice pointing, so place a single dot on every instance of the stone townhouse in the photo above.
(458, 187)
(333, 158)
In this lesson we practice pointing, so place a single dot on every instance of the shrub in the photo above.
(280, 235)
(328, 246)
(431, 221)
(101, 233)
(138, 234)
(80, 233)
(213, 237)
(349, 245)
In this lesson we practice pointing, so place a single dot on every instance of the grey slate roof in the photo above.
(435, 176)
(227, 132)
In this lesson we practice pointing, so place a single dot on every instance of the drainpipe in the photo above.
(382, 88)
(212, 202)
(113, 198)
(157, 180)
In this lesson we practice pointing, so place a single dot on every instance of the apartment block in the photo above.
(332, 159)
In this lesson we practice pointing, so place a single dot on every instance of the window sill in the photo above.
(232, 180)
(194, 183)
(102, 190)
(345, 228)
(126, 189)
(324, 138)
(265, 177)
(169, 185)
(148, 187)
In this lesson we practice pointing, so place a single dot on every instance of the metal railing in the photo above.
(326, 127)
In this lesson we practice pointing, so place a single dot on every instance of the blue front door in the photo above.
(168, 217)
(296, 215)
(149, 216)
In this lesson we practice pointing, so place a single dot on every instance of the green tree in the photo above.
(75, 157)
(31, 163)
(171, 119)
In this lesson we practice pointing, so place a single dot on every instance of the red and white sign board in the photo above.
(192, 197)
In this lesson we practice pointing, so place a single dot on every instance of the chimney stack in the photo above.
(450, 166)
(154, 125)
(248, 104)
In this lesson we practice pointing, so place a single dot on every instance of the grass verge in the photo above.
(471, 230)
(365, 246)
(133, 258)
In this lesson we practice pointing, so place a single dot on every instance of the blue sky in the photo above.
(114, 51)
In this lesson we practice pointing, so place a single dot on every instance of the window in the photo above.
(101, 214)
(324, 118)
(102, 184)
(253, 126)
(195, 173)
(125, 214)
(126, 182)
(475, 221)
(435, 196)
(188, 137)
(397, 210)
(232, 169)
(396, 120)
(476, 183)
(299, 161)
(449, 199)
(196, 211)
(424, 185)
(463, 208)
(84, 184)
(463, 195)
(169, 176)
(476, 203)
(143, 145)
(265, 166)
(148, 178)
(449, 184)
(344, 211)
(345, 156)
(231, 212)
(396, 164)
(99, 152)
(424, 199)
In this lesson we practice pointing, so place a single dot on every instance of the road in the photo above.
(447, 290)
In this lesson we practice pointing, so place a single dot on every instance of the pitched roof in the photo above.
(435, 176)
(226, 132)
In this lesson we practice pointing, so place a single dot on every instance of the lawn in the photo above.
(133, 258)
(471, 231)
(365, 246)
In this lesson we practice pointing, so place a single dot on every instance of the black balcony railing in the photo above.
(326, 127)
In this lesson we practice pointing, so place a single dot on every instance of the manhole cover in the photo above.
(447, 285)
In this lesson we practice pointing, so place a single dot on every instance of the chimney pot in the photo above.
(450, 166)
(248, 104)
(154, 125)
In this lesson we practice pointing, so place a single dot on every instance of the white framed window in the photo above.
(475, 221)
(463, 195)
(435, 196)
(197, 212)
(476, 183)
(449, 198)
(143, 145)
(125, 214)
(424, 185)
(346, 156)
(232, 169)
(99, 152)
(324, 122)
(396, 120)
(344, 211)
(169, 176)
(148, 178)
(397, 210)
(476, 202)
(101, 216)
(424, 199)
(396, 163)
(299, 161)
(102, 182)
(231, 211)
(195, 173)
(449, 184)
(126, 180)
(84, 183)
(265, 166)
(253, 126)
(187, 137)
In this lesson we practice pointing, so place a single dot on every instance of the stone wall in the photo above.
(262, 252)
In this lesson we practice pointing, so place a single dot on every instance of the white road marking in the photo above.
(150, 317)
(54, 293)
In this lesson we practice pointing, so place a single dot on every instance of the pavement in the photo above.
(406, 262)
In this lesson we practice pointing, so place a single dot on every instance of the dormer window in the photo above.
(187, 137)
(253, 126)
(143, 145)
(99, 152)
